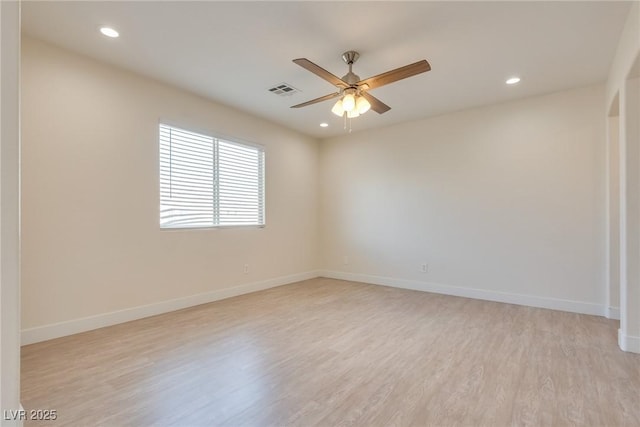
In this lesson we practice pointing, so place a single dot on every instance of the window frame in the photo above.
(220, 137)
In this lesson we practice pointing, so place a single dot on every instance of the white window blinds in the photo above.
(209, 182)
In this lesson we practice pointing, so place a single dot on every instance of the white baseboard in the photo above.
(61, 329)
(628, 342)
(56, 330)
(482, 294)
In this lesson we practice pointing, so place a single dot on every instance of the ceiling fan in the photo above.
(353, 92)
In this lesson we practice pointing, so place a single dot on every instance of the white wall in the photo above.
(91, 240)
(622, 87)
(613, 216)
(503, 202)
(9, 211)
(630, 217)
(626, 53)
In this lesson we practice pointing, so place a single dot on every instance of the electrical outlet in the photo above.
(345, 260)
(424, 267)
(245, 269)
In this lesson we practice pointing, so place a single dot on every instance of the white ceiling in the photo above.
(232, 52)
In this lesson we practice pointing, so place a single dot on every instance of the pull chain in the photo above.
(345, 121)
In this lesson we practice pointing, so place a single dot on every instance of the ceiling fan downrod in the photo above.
(350, 57)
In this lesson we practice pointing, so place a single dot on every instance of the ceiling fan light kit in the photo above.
(348, 102)
(354, 99)
(337, 108)
(362, 105)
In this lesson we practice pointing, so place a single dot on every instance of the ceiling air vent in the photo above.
(283, 89)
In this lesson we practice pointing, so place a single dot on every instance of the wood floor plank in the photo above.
(335, 353)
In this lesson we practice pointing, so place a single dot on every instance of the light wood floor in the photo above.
(333, 353)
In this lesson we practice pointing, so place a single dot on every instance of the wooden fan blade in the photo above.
(315, 101)
(321, 72)
(376, 105)
(395, 75)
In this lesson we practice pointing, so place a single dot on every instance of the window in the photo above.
(209, 182)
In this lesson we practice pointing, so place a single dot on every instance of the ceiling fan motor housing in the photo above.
(351, 79)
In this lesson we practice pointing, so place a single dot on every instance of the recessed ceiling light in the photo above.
(109, 32)
(513, 80)
(324, 125)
